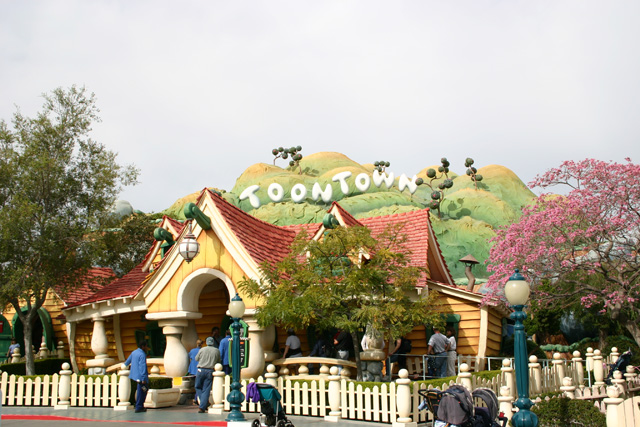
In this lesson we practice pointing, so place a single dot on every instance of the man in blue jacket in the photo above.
(138, 373)
(224, 352)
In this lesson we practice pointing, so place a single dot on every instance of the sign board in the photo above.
(244, 352)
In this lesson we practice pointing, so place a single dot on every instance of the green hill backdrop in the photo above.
(468, 215)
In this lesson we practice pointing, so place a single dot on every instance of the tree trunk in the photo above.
(634, 330)
(27, 318)
(356, 351)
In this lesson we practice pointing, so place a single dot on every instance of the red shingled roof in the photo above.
(96, 279)
(347, 218)
(263, 241)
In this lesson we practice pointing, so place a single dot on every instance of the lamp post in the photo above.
(235, 396)
(189, 247)
(517, 292)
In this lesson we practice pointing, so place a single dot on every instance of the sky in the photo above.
(195, 92)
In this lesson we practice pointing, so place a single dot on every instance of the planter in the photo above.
(162, 398)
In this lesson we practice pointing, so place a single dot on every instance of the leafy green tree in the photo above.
(438, 191)
(126, 245)
(346, 280)
(381, 165)
(472, 172)
(57, 189)
(285, 153)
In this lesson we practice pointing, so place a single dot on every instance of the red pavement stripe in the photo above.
(59, 418)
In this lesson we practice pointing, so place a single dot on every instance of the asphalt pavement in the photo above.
(21, 416)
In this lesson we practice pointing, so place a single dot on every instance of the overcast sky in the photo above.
(194, 92)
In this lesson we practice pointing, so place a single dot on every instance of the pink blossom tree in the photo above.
(583, 246)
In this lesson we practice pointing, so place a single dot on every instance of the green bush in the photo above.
(564, 412)
(622, 342)
(160, 382)
(43, 367)
(532, 349)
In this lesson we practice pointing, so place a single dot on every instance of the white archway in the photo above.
(193, 284)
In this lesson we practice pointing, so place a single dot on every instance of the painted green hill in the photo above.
(468, 219)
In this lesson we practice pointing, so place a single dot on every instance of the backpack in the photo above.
(405, 346)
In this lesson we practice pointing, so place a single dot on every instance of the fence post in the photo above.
(44, 352)
(631, 373)
(619, 381)
(464, 377)
(271, 376)
(578, 372)
(589, 356)
(614, 355)
(217, 390)
(535, 375)
(124, 390)
(64, 387)
(15, 356)
(558, 369)
(60, 350)
(568, 388)
(613, 403)
(598, 368)
(334, 396)
(403, 400)
(506, 401)
(509, 377)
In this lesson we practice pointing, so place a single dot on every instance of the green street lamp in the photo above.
(235, 396)
(517, 292)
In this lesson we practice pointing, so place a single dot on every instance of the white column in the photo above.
(99, 346)
(578, 372)
(271, 377)
(403, 400)
(60, 350)
(568, 388)
(465, 377)
(614, 355)
(589, 359)
(64, 387)
(506, 402)
(535, 376)
(598, 369)
(268, 340)
(509, 377)
(176, 358)
(190, 335)
(217, 391)
(631, 373)
(619, 381)
(558, 369)
(255, 368)
(124, 390)
(334, 396)
(613, 402)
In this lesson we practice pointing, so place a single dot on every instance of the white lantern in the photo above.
(236, 307)
(517, 289)
(189, 247)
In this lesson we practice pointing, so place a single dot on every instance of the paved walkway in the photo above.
(20, 416)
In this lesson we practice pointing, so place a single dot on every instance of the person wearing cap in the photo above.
(207, 358)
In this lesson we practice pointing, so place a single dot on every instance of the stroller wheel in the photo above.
(289, 424)
(281, 423)
(255, 423)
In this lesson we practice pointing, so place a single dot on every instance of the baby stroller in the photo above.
(270, 406)
(621, 365)
(454, 407)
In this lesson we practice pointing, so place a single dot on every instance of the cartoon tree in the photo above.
(381, 166)
(585, 245)
(285, 153)
(437, 193)
(472, 172)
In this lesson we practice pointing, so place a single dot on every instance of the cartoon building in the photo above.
(173, 302)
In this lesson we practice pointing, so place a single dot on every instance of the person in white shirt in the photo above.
(451, 353)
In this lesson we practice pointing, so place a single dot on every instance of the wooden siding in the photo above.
(468, 339)
(84, 332)
(129, 323)
(213, 304)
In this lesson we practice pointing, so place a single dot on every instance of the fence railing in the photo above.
(334, 397)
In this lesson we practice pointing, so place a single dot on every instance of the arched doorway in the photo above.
(41, 326)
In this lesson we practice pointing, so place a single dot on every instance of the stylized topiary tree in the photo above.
(381, 166)
(472, 172)
(437, 194)
(285, 153)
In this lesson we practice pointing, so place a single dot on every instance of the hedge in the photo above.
(42, 367)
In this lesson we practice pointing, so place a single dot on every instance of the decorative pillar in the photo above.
(619, 381)
(589, 359)
(568, 388)
(509, 377)
(631, 373)
(614, 355)
(15, 356)
(334, 396)
(558, 369)
(464, 377)
(43, 353)
(271, 377)
(578, 372)
(598, 368)
(217, 391)
(99, 346)
(535, 374)
(613, 403)
(176, 358)
(506, 402)
(124, 390)
(403, 400)
(64, 387)
(256, 365)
